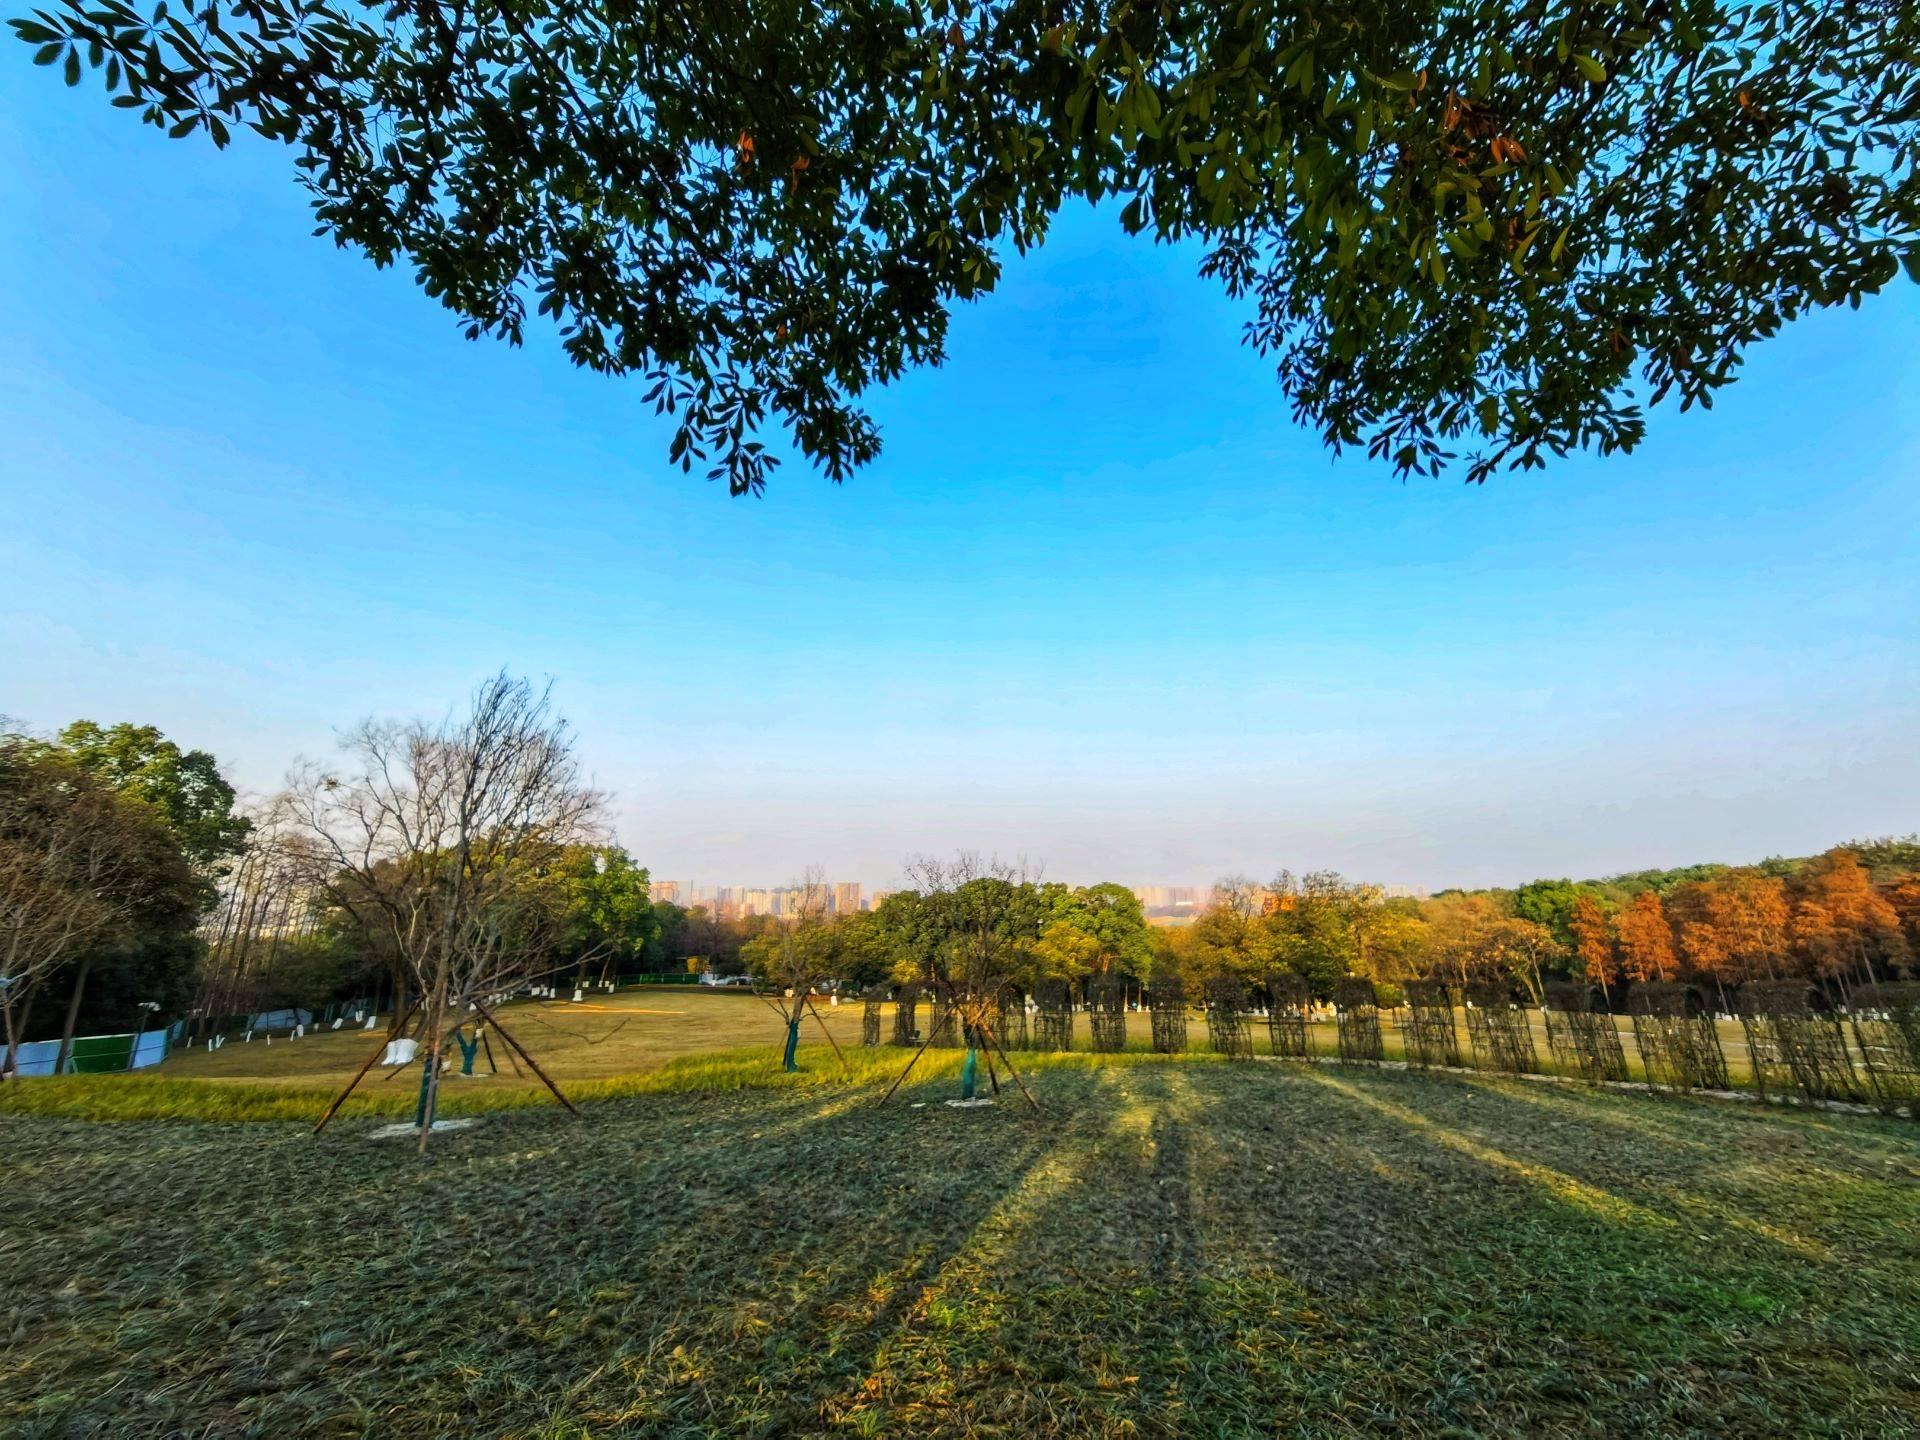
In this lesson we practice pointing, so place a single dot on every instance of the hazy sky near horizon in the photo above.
(1100, 603)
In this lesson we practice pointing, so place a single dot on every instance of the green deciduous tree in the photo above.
(1549, 903)
(861, 951)
(609, 912)
(1229, 937)
(185, 786)
(970, 929)
(1492, 223)
(88, 875)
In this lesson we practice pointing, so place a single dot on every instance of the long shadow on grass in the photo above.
(1718, 1309)
(650, 1266)
(1112, 1293)
(1233, 1249)
(749, 1293)
(1194, 1249)
(1766, 1175)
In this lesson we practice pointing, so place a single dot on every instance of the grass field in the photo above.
(1167, 1249)
(641, 1028)
(638, 1041)
(631, 1030)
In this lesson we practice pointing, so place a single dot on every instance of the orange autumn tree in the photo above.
(1841, 924)
(1593, 944)
(1814, 932)
(1646, 939)
(1755, 915)
(1904, 896)
(1699, 913)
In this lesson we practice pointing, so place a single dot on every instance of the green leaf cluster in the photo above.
(1486, 231)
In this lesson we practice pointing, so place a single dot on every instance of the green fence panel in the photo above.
(98, 1054)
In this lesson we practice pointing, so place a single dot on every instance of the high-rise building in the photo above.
(846, 897)
(1160, 900)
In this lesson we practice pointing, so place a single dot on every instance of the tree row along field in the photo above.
(140, 892)
(435, 871)
(643, 1027)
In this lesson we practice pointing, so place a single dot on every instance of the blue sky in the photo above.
(1100, 603)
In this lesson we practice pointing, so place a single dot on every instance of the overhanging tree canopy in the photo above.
(1494, 224)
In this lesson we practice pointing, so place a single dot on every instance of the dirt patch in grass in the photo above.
(1191, 1249)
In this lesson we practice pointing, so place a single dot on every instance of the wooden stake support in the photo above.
(828, 1033)
(1013, 1072)
(532, 1064)
(901, 1077)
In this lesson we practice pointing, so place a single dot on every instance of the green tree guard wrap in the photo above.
(967, 1073)
(793, 1043)
(468, 1049)
(426, 1079)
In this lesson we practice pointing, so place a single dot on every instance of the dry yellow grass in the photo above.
(639, 1030)
(605, 1036)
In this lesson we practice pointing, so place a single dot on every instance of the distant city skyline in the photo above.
(834, 897)
(849, 897)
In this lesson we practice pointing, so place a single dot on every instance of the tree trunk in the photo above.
(217, 955)
(426, 1084)
(73, 1014)
(430, 1079)
(12, 1064)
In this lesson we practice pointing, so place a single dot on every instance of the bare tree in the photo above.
(443, 841)
(273, 892)
(1238, 895)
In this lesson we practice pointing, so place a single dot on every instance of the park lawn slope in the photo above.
(1167, 1249)
(145, 1096)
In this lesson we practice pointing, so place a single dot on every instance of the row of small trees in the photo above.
(1827, 919)
(950, 909)
(290, 932)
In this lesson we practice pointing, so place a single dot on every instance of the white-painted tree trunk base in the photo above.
(407, 1129)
